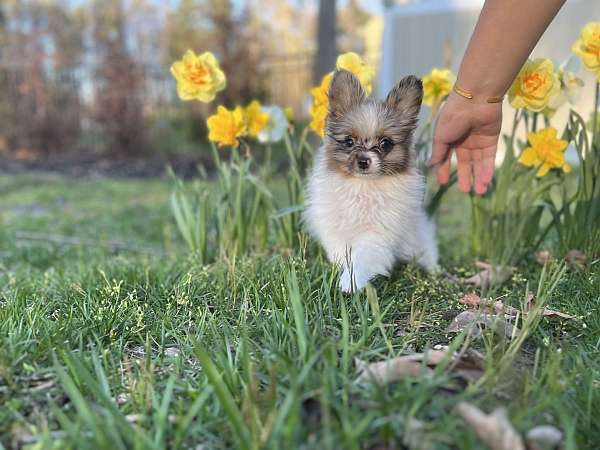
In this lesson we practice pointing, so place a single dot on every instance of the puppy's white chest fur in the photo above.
(367, 224)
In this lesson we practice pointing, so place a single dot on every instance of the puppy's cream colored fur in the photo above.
(364, 195)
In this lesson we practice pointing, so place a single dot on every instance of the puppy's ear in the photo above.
(404, 101)
(345, 92)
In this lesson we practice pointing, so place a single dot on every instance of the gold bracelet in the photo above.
(466, 94)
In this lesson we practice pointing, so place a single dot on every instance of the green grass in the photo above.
(136, 346)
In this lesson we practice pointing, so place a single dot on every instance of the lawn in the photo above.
(112, 337)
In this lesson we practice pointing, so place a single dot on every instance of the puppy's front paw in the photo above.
(346, 281)
(349, 283)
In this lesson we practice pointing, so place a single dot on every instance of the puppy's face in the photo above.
(367, 138)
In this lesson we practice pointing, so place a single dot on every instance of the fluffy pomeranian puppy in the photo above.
(365, 195)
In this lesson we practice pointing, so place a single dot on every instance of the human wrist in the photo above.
(481, 89)
(477, 102)
(478, 96)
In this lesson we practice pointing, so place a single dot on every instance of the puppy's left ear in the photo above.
(345, 93)
(404, 100)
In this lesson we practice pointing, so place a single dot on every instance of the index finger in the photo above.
(440, 152)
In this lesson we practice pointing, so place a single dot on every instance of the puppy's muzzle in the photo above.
(363, 162)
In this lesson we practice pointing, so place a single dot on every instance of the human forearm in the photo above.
(506, 32)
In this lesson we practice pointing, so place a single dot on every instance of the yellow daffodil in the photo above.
(198, 76)
(318, 115)
(320, 105)
(587, 47)
(256, 118)
(226, 126)
(319, 92)
(436, 86)
(546, 152)
(354, 63)
(536, 84)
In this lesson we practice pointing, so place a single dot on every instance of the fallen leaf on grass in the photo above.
(43, 386)
(36, 383)
(547, 312)
(493, 429)
(496, 431)
(388, 371)
(576, 257)
(497, 306)
(489, 275)
(467, 365)
(552, 313)
(543, 437)
(475, 321)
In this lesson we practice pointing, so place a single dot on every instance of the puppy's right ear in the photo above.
(345, 93)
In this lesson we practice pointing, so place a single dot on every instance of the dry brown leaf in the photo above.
(496, 306)
(43, 386)
(576, 257)
(474, 321)
(489, 275)
(471, 299)
(474, 301)
(494, 429)
(468, 365)
(543, 257)
(543, 437)
(388, 371)
(547, 312)
(552, 313)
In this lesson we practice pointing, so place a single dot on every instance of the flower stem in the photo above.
(534, 124)
(268, 154)
(514, 127)
(511, 148)
(595, 118)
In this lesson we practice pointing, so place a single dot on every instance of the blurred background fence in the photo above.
(91, 77)
(121, 108)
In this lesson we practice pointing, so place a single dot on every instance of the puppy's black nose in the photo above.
(363, 162)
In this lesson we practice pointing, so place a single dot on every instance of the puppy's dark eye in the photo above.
(348, 142)
(386, 144)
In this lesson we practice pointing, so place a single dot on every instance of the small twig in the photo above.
(75, 241)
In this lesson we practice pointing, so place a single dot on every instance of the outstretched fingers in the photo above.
(440, 156)
(443, 173)
(483, 169)
(463, 169)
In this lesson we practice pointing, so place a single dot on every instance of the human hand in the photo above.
(470, 129)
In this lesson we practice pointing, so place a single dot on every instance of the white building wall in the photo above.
(435, 33)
